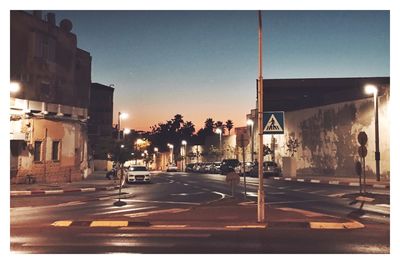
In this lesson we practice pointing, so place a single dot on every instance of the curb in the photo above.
(61, 191)
(332, 182)
(147, 225)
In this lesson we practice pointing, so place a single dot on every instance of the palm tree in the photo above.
(209, 125)
(229, 126)
(220, 125)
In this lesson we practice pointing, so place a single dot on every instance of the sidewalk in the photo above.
(225, 214)
(94, 182)
(372, 183)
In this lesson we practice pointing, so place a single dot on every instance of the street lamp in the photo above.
(121, 116)
(184, 144)
(171, 148)
(251, 124)
(219, 131)
(155, 157)
(373, 89)
(15, 87)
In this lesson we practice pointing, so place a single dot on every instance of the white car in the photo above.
(138, 173)
(172, 167)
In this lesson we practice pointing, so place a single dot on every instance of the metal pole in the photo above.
(252, 142)
(119, 124)
(261, 195)
(377, 153)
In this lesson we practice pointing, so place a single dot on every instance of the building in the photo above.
(48, 115)
(325, 116)
(100, 127)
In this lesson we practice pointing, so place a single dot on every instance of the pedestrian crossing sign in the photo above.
(274, 122)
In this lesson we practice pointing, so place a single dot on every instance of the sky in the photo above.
(204, 64)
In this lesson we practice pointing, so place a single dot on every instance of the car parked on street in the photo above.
(190, 167)
(172, 167)
(138, 173)
(228, 165)
(270, 168)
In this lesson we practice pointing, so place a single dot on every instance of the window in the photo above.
(55, 150)
(37, 151)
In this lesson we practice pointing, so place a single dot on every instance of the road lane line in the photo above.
(333, 182)
(126, 210)
(53, 191)
(177, 235)
(304, 212)
(300, 180)
(315, 181)
(354, 184)
(379, 186)
(62, 223)
(172, 211)
(161, 202)
(336, 194)
(288, 179)
(88, 189)
(17, 193)
(108, 223)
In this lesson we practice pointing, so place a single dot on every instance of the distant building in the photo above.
(100, 127)
(48, 115)
(325, 116)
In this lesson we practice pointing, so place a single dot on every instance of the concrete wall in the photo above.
(72, 164)
(328, 138)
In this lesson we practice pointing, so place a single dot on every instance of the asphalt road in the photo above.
(31, 219)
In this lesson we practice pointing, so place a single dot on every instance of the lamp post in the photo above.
(184, 144)
(171, 149)
(155, 158)
(219, 131)
(373, 89)
(121, 116)
(251, 124)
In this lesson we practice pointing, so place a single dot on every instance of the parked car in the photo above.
(190, 167)
(215, 167)
(271, 168)
(172, 167)
(228, 165)
(138, 173)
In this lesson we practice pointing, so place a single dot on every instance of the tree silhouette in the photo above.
(229, 125)
(220, 125)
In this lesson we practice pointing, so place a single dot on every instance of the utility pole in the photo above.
(261, 195)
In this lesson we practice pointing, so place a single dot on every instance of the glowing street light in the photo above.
(15, 87)
(171, 148)
(251, 124)
(219, 131)
(121, 116)
(184, 144)
(373, 89)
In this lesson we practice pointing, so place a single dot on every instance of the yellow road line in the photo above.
(109, 223)
(327, 225)
(62, 223)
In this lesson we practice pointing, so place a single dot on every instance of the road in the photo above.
(32, 218)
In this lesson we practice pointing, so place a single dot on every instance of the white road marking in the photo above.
(50, 206)
(304, 212)
(315, 181)
(354, 184)
(53, 191)
(185, 194)
(336, 194)
(194, 235)
(160, 202)
(99, 244)
(17, 193)
(126, 210)
(88, 189)
(383, 205)
(288, 202)
(333, 182)
(171, 211)
(300, 180)
(288, 179)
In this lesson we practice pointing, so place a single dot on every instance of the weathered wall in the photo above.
(328, 137)
(72, 162)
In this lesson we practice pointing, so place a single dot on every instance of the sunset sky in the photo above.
(204, 64)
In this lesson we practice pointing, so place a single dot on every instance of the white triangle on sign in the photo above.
(273, 125)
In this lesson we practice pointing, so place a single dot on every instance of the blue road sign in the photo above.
(274, 122)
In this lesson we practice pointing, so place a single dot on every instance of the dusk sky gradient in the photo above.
(205, 63)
